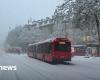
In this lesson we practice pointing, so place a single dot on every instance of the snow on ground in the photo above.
(84, 58)
(80, 68)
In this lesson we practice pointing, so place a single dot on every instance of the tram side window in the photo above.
(38, 48)
(44, 48)
(34, 49)
(47, 47)
(30, 49)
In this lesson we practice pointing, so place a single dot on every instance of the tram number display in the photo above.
(62, 43)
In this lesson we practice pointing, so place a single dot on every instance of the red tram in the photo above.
(52, 50)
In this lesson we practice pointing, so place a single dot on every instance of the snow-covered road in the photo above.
(31, 69)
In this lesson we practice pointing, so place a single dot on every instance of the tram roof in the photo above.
(48, 40)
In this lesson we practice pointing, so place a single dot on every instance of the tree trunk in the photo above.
(98, 32)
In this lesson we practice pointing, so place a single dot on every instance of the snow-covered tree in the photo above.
(13, 36)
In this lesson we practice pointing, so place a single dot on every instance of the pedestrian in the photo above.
(87, 53)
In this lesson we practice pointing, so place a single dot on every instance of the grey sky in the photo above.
(17, 12)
